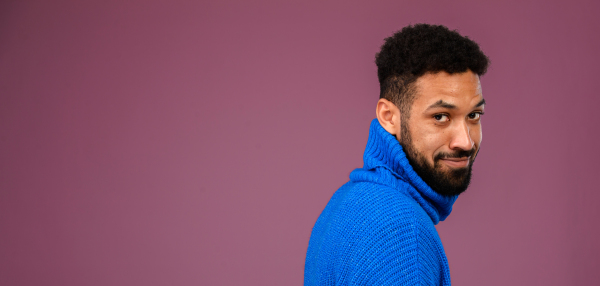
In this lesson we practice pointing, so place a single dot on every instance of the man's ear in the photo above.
(388, 116)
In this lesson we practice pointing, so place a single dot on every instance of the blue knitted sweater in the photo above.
(378, 229)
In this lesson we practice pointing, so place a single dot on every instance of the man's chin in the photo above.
(449, 181)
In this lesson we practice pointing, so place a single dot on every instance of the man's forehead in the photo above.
(458, 88)
(450, 82)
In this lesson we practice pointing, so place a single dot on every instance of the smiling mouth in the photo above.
(456, 162)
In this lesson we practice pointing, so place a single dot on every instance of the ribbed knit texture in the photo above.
(378, 229)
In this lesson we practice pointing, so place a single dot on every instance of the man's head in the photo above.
(431, 100)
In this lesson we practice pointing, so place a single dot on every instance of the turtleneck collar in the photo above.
(385, 163)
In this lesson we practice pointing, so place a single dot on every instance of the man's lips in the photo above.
(456, 162)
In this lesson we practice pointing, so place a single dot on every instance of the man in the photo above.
(378, 229)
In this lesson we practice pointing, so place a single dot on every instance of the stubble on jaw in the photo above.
(444, 182)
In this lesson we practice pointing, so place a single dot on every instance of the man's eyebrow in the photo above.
(443, 104)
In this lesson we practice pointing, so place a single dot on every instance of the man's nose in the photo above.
(461, 138)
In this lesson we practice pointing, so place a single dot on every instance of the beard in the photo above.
(447, 183)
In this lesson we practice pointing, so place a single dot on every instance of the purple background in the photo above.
(192, 143)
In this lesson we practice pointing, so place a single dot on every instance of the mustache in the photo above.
(457, 154)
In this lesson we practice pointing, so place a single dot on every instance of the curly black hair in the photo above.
(419, 49)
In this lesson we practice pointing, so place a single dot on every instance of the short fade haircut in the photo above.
(420, 49)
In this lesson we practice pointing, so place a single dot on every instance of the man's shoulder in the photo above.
(367, 228)
(375, 203)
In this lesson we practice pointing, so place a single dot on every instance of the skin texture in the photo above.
(443, 129)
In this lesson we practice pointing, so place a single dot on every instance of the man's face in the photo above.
(442, 134)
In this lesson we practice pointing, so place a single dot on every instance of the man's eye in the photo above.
(475, 115)
(441, 117)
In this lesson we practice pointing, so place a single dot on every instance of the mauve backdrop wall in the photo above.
(196, 143)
